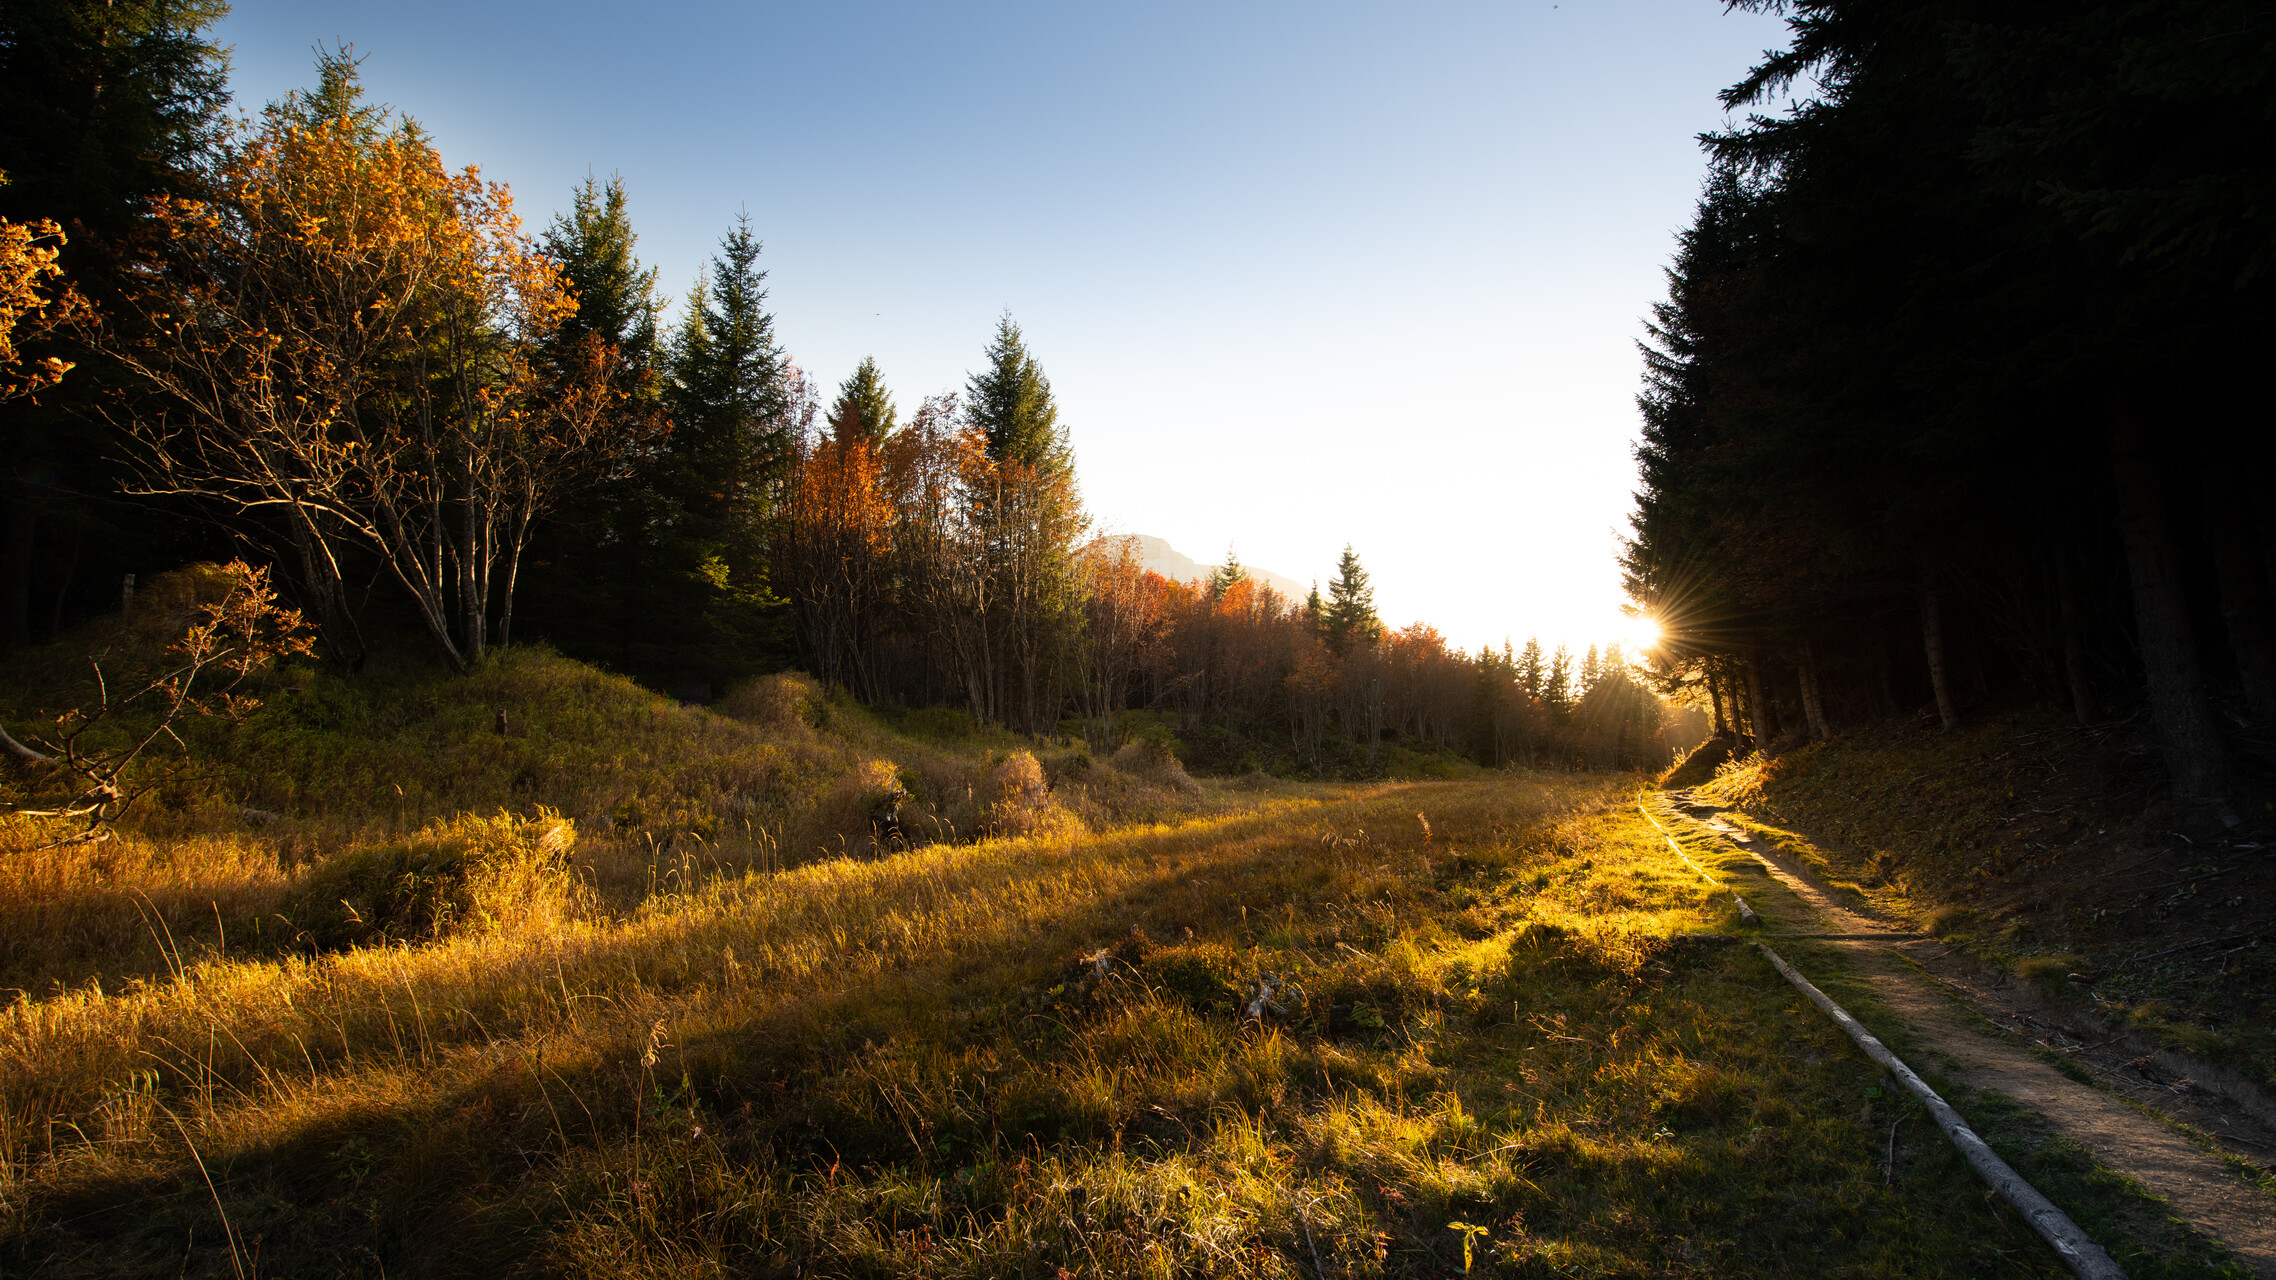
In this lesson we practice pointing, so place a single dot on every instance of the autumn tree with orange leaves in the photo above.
(35, 300)
(833, 556)
(946, 560)
(1122, 625)
(347, 338)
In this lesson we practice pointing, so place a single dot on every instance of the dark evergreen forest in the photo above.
(1958, 397)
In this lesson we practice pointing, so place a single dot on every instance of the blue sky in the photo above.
(1301, 275)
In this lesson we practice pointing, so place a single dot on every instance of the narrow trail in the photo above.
(1903, 969)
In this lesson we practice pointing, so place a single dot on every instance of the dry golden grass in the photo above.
(637, 990)
(960, 1060)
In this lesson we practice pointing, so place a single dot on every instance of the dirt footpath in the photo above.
(1961, 1019)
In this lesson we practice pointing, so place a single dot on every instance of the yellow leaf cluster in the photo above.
(35, 300)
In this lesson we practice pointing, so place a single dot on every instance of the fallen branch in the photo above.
(2186, 946)
(1746, 913)
(20, 751)
(2053, 1225)
(2175, 884)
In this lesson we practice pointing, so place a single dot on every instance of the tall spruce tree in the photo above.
(1532, 672)
(103, 104)
(863, 409)
(1350, 617)
(596, 590)
(617, 303)
(719, 476)
(729, 397)
(1557, 688)
(1010, 401)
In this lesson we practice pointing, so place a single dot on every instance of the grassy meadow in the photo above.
(637, 989)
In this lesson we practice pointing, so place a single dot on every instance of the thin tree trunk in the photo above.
(2074, 643)
(1374, 720)
(2244, 587)
(1740, 725)
(1813, 701)
(1715, 695)
(2195, 756)
(1761, 718)
(16, 534)
(63, 588)
(513, 576)
(1884, 674)
(1932, 640)
(472, 613)
(324, 591)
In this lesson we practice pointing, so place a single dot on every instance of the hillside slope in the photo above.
(2048, 851)
(1158, 555)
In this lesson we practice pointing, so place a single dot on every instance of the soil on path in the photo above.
(1961, 1019)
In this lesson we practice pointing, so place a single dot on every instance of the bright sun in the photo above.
(1639, 634)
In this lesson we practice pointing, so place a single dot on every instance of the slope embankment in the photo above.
(1953, 1024)
(2046, 853)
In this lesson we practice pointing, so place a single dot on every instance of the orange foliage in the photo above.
(35, 300)
(348, 337)
(836, 536)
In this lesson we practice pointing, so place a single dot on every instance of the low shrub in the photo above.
(469, 874)
(863, 811)
(1205, 976)
(1152, 759)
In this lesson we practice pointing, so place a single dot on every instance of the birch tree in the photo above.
(346, 339)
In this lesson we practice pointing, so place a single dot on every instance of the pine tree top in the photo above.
(1010, 401)
(592, 244)
(337, 98)
(863, 409)
(1350, 618)
(1225, 576)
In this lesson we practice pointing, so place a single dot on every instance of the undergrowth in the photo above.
(1031, 1055)
(2045, 851)
(787, 987)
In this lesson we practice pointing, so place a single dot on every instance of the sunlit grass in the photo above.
(921, 1063)
(640, 989)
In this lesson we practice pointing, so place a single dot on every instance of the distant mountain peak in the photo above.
(1158, 555)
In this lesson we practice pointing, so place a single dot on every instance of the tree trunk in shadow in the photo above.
(2195, 756)
(1885, 699)
(1932, 639)
(2074, 643)
(324, 594)
(2244, 585)
(16, 529)
(1813, 699)
(1762, 718)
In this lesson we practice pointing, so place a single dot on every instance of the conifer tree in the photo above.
(103, 105)
(617, 302)
(719, 481)
(1557, 689)
(1532, 674)
(863, 410)
(338, 98)
(1350, 617)
(597, 571)
(1010, 402)
(1224, 576)
(729, 396)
